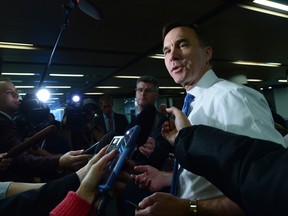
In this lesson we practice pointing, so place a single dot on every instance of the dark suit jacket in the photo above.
(120, 121)
(25, 166)
(163, 148)
(157, 159)
(251, 172)
(41, 201)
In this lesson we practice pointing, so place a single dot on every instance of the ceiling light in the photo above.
(67, 75)
(57, 86)
(94, 93)
(16, 81)
(267, 64)
(264, 11)
(254, 80)
(170, 87)
(282, 81)
(18, 87)
(107, 87)
(18, 74)
(76, 98)
(43, 95)
(8, 45)
(127, 77)
(57, 93)
(157, 56)
(270, 87)
(272, 4)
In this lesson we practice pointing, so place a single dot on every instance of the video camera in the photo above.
(32, 116)
(77, 113)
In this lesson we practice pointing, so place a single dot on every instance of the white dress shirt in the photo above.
(230, 107)
(3, 189)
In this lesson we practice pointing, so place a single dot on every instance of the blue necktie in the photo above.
(186, 106)
(186, 109)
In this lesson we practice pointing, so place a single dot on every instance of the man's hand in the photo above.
(163, 204)
(148, 148)
(170, 129)
(151, 178)
(123, 178)
(73, 160)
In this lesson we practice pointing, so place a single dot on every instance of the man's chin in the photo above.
(178, 80)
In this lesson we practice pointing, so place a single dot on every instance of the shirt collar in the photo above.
(107, 117)
(206, 81)
(5, 114)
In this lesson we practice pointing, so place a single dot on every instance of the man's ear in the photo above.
(209, 53)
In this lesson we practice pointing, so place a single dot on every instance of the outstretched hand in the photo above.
(170, 129)
(163, 204)
(151, 178)
(148, 148)
(73, 160)
(99, 165)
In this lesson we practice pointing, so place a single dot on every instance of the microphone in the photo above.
(85, 6)
(95, 148)
(31, 141)
(145, 119)
(90, 9)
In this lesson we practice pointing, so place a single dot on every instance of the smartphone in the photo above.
(95, 148)
(125, 147)
(115, 142)
(132, 204)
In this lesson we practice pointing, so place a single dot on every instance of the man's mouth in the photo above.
(176, 69)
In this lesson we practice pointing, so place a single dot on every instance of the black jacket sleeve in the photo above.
(41, 201)
(251, 172)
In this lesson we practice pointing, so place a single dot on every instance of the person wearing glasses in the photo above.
(156, 151)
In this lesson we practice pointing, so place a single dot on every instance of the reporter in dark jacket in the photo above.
(251, 172)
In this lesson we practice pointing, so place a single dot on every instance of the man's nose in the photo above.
(174, 54)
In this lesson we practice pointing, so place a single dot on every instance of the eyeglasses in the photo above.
(141, 90)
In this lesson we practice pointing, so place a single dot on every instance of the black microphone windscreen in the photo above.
(90, 9)
(145, 119)
(31, 141)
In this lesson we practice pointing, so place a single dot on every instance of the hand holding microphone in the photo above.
(31, 141)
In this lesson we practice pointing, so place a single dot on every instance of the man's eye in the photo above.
(165, 52)
(183, 45)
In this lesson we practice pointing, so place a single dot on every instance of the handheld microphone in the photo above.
(31, 141)
(145, 119)
(95, 148)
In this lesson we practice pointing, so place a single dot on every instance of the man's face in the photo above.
(9, 98)
(107, 107)
(145, 94)
(185, 60)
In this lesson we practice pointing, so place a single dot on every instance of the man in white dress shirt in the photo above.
(218, 103)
